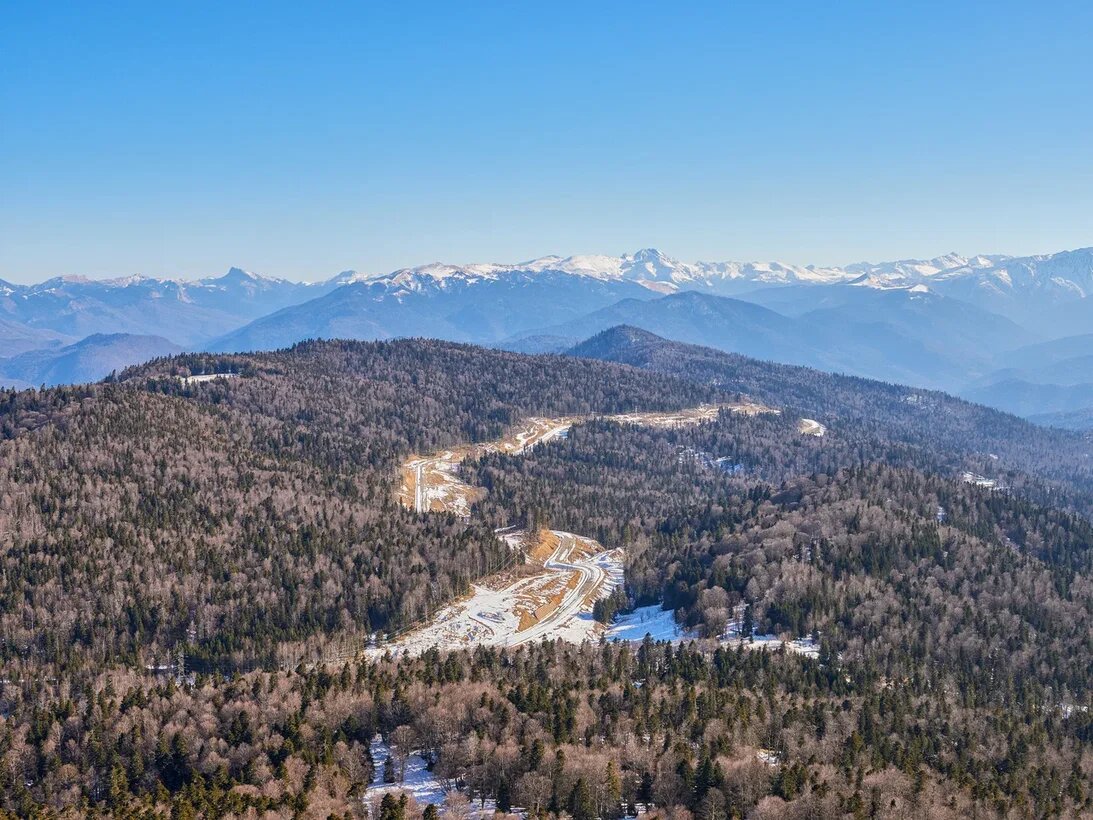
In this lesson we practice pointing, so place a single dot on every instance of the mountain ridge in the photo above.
(87, 360)
(945, 322)
(652, 265)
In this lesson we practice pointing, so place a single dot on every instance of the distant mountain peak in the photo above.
(240, 273)
(654, 256)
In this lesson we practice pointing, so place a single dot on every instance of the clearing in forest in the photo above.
(554, 601)
(552, 594)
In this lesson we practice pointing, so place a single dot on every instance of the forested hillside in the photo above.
(955, 434)
(241, 509)
(233, 515)
(930, 587)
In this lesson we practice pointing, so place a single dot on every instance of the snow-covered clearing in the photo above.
(810, 427)
(659, 624)
(980, 481)
(554, 602)
(206, 377)
(734, 637)
(768, 756)
(752, 408)
(709, 461)
(799, 646)
(417, 781)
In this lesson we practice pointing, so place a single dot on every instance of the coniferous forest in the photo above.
(248, 524)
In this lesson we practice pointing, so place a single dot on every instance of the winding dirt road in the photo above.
(431, 483)
(557, 600)
(592, 579)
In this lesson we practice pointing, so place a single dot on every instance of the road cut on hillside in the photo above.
(553, 593)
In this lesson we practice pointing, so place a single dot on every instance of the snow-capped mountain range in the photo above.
(661, 273)
(944, 322)
(1069, 272)
(997, 279)
(69, 308)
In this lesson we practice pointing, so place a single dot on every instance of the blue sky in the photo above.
(179, 139)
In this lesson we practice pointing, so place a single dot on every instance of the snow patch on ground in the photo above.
(206, 377)
(810, 427)
(709, 461)
(769, 756)
(659, 624)
(418, 781)
(734, 637)
(799, 646)
(981, 481)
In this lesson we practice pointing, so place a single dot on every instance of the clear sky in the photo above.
(303, 139)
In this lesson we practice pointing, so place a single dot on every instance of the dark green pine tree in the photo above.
(581, 804)
(504, 798)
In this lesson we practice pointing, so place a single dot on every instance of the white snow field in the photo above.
(980, 481)
(810, 427)
(418, 781)
(659, 624)
(735, 638)
(799, 646)
(206, 377)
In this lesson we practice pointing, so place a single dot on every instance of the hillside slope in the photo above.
(971, 436)
(88, 360)
(241, 510)
(258, 507)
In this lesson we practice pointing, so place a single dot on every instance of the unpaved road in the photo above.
(588, 589)
(431, 484)
(493, 616)
(492, 613)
